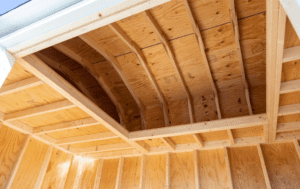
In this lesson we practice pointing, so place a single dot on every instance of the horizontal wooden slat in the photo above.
(289, 109)
(87, 138)
(290, 86)
(66, 125)
(291, 54)
(288, 127)
(168, 142)
(20, 85)
(102, 148)
(62, 105)
(217, 125)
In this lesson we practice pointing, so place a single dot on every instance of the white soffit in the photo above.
(6, 63)
(292, 9)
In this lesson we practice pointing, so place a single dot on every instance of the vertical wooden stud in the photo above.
(168, 176)
(196, 165)
(143, 172)
(98, 175)
(120, 173)
(263, 165)
(228, 168)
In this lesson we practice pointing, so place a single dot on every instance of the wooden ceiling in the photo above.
(181, 76)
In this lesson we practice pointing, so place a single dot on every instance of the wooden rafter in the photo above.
(290, 86)
(140, 55)
(94, 72)
(42, 71)
(288, 127)
(115, 63)
(231, 136)
(169, 142)
(102, 148)
(86, 138)
(167, 46)
(235, 28)
(275, 45)
(263, 165)
(291, 54)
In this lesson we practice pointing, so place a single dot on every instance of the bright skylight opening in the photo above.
(9, 5)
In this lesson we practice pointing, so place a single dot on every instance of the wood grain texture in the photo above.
(89, 174)
(109, 174)
(131, 173)
(155, 174)
(72, 173)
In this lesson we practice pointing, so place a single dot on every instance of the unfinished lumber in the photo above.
(54, 107)
(65, 126)
(168, 170)
(101, 148)
(263, 164)
(291, 54)
(216, 125)
(168, 142)
(98, 175)
(143, 172)
(296, 143)
(288, 127)
(289, 109)
(231, 138)
(20, 85)
(39, 181)
(290, 86)
(171, 55)
(140, 55)
(120, 173)
(115, 63)
(42, 71)
(12, 175)
(275, 46)
(87, 138)
(90, 69)
(196, 166)
(198, 140)
(228, 168)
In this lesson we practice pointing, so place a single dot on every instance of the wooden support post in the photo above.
(168, 171)
(231, 136)
(120, 173)
(171, 55)
(235, 28)
(140, 55)
(98, 175)
(14, 171)
(296, 143)
(40, 179)
(115, 63)
(263, 165)
(230, 184)
(196, 166)
(94, 72)
(143, 172)
(169, 142)
(276, 20)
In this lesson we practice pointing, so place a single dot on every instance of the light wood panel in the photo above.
(131, 173)
(155, 175)
(71, 177)
(109, 174)
(89, 174)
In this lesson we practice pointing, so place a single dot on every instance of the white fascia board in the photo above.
(71, 22)
(292, 9)
(6, 63)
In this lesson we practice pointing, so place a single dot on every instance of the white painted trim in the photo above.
(292, 9)
(6, 63)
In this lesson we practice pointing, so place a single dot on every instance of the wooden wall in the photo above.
(28, 163)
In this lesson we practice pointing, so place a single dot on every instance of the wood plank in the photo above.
(99, 174)
(102, 148)
(72, 172)
(42, 71)
(169, 142)
(275, 46)
(14, 171)
(65, 126)
(57, 106)
(296, 143)
(89, 172)
(143, 172)
(171, 55)
(290, 86)
(228, 168)
(109, 174)
(289, 109)
(209, 126)
(140, 55)
(120, 173)
(288, 127)
(115, 63)
(291, 54)
(131, 173)
(20, 85)
(198, 140)
(263, 165)
(155, 175)
(86, 138)
(196, 167)
(231, 138)
(168, 171)
(40, 179)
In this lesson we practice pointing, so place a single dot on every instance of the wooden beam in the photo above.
(291, 54)
(10, 179)
(167, 46)
(87, 138)
(20, 85)
(263, 165)
(227, 162)
(65, 126)
(98, 175)
(102, 148)
(231, 138)
(40, 179)
(289, 109)
(42, 71)
(290, 86)
(115, 63)
(120, 173)
(168, 171)
(235, 28)
(202, 49)
(296, 143)
(140, 55)
(288, 127)
(94, 72)
(169, 142)
(54, 107)
(209, 126)
(198, 140)
(276, 20)
(143, 172)
(196, 167)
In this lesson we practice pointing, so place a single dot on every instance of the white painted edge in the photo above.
(6, 63)
(292, 9)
